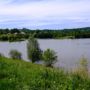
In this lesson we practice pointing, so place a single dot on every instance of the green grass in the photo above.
(21, 75)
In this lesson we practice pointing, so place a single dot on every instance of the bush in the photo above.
(49, 57)
(3, 37)
(14, 54)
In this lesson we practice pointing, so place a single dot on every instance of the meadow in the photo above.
(21, 75)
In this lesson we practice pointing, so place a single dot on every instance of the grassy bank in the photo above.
(21, 75)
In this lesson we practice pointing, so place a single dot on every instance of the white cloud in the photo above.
(53, 11)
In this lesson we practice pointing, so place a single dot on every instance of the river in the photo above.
(69, 51)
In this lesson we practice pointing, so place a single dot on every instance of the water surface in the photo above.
(69, 51)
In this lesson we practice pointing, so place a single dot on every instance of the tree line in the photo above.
(21, 34)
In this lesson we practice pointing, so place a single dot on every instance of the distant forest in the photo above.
(22, 34)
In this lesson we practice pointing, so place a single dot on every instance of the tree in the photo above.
(49, 57)
(14, 54)
(33, 50)
(15, 30)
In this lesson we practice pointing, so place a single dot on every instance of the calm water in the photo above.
(69, 51)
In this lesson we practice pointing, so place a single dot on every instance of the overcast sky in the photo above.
(41, 14)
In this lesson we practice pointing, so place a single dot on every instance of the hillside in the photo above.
(21, 75)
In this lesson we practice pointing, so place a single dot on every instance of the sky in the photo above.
(44, 14)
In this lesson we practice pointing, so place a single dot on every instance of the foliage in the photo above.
(21, 34)
(82, 68)
(14, 54)
(33, 50)
(49, 57)
(21, 75)
(3, 37)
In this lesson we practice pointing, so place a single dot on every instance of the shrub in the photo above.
(49, 57)
(14, 54)
(3, 37)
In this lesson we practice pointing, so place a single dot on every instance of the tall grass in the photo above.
(82, 68)
(21, 75)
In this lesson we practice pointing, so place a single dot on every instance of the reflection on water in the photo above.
(69, 51)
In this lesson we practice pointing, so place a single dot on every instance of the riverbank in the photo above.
(21, 75)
